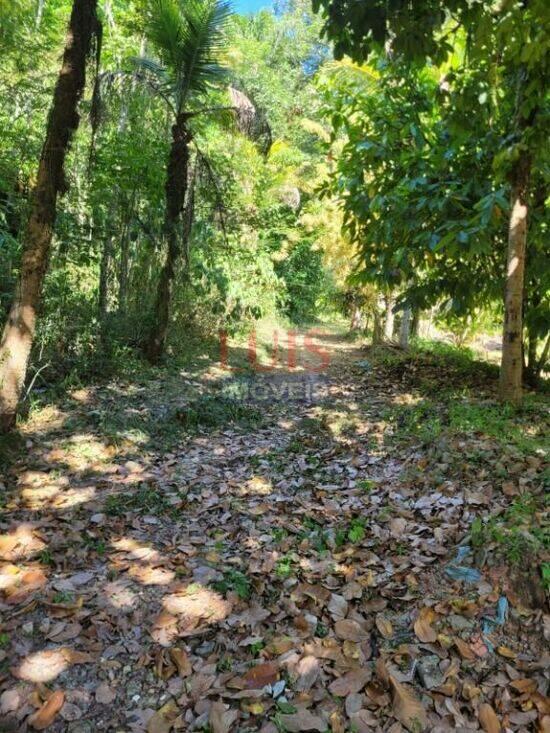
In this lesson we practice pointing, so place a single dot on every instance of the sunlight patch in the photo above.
(20, 543)
(136, 549)
(151, 576)
(197, 603)
(43, 666)
(75, 497)
(257, 486)
(119, 595)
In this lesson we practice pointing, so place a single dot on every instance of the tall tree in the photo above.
(513, 38)
(188, 37)
(19, 331)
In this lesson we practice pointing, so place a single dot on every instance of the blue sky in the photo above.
(250, 6)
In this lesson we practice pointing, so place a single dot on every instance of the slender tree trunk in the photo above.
(123, 271)
(39, 12)
(377, 329)
(19, 330)
(189, 218)
(541, 364)
(389, 319)
(104, 268)
(356, 318)
(512, 342)
(415, 320)
(405, 330)
(176, 187)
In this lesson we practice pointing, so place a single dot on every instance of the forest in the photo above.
(274, 366)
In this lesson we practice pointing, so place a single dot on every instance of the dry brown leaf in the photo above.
(488, 719)
(350, 683)
(221, 717)
(382, 671)
(423, 625)
(303, 720)
(465, 651)
(337, 723)
(524, 685)
(307, 671)
(182, 661)
(261, 675)
(45, 716)
(163, 719)
(407, 708)
(165, 629)
(337, 606)
(349, 630)
(384, 626)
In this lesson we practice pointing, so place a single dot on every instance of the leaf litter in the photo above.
(301, 574)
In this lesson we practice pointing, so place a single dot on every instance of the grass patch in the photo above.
(521, 532)
(526, 429)
(145, 500)
(215, 411)
(234, 581)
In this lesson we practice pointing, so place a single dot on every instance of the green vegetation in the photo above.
(144, 500)
(521, 532)
(214, 411)
(234, 581)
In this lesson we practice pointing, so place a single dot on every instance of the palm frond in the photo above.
(202, 46)
(165, 29)
(155, 68)
(188, 37)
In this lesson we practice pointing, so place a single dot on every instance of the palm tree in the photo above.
(188, 38)
(18, 336)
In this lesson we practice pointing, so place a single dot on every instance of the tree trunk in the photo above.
(39, 12)
(377, 329)
(415, 321)
(405, 328)
(542, 362)
(389, 319)
(63, 120)
(176, 187)
(512, 357)
(356, 318)
(104, 268)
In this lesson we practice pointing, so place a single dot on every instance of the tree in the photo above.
(188, 36)
(511, 40)
(19, 331)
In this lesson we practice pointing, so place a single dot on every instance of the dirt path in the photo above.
(280, 568)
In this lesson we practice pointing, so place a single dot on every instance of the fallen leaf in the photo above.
(221, 717)
(307, 671)
(407, 708)
(261, 675)
(350, 683)
(384, 627)
(465, 651)
(161, 721)
(303, 720)
(422, 625)
(45, 716)
(165, 629)
(524, 685)
(488, 719)
(337, 606)
(182, 661)
(349, 630)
